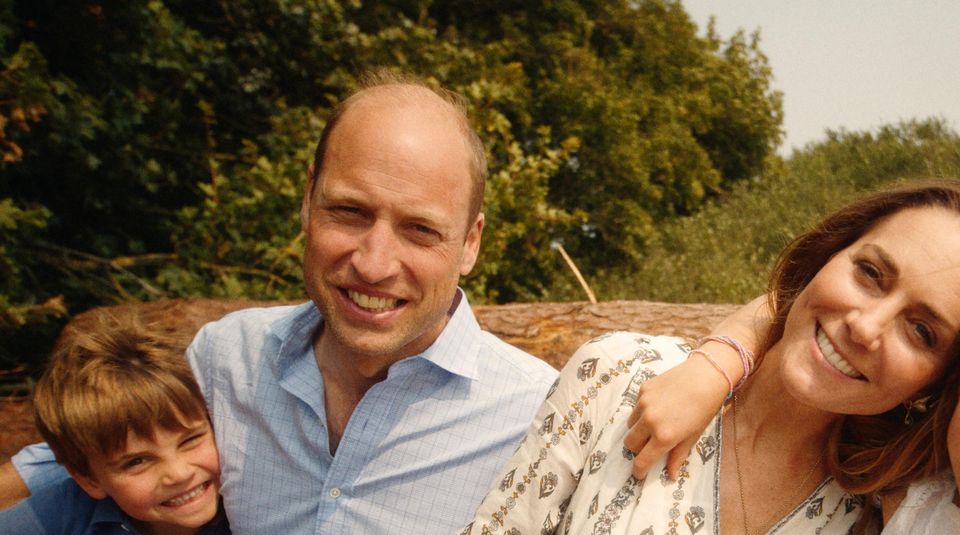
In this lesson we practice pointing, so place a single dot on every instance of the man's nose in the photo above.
(375, 258)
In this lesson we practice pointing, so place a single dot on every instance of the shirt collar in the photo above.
(107, 512)
(456, 350)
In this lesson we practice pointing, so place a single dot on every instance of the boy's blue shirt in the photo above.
(60, 506)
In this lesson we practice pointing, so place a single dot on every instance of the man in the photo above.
(380, 406)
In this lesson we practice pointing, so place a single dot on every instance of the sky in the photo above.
(851, 64)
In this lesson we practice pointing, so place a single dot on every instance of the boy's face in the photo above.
(169, 480)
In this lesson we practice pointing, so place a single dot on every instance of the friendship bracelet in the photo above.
(717, 366)
(746, 356)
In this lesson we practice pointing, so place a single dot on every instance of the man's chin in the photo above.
(363, 342)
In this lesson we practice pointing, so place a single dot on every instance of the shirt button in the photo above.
(334, 492)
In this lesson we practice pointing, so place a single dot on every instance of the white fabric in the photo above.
(928, 509)
(571, 474)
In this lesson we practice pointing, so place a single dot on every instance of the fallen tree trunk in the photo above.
(551, 331)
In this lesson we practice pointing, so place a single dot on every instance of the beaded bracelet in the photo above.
(709, 358)
(746, 356)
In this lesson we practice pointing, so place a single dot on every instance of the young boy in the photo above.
(121, 411)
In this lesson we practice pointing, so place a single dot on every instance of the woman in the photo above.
(866, 311)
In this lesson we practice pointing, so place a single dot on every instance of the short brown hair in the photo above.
(381, 78)
(110, 379)
(878, 453)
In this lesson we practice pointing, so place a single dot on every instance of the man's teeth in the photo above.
(373, 304)
(187, 496)
(834, 358)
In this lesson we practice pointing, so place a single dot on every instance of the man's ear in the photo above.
(89, 484)
(471, 245)
(305, 202)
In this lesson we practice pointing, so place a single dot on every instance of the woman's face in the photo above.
(879, 322)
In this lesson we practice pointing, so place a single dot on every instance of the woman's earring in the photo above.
(920, 405)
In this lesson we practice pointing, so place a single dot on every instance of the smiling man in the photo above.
(380, 406)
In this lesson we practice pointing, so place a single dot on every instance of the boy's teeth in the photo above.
(834, 358)
(373, 304)
(187, 496)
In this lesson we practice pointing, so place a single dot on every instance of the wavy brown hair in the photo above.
(108, 379)
(878, 453)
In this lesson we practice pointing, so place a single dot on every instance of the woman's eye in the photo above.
(925, 334)
(869, 270)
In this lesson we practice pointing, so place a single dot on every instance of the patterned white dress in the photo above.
(571, 473)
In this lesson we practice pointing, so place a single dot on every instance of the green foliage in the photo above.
(724, 253)
(158, 148)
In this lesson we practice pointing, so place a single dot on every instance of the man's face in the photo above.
(387, 233)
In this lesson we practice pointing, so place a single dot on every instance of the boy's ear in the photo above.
(89, 484)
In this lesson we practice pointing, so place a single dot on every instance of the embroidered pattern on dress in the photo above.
(613, 510)
(585, 371)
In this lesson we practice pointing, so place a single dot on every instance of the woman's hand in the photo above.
(674, 408)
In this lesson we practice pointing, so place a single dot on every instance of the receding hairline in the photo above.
(410, 91)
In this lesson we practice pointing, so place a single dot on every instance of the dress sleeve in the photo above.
(531, 494)
(928, 509)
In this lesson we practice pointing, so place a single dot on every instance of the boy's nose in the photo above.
(177, 471)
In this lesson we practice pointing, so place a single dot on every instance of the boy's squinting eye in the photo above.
(132, 463)
(193, 438)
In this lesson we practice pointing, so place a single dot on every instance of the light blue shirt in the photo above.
(418, 454)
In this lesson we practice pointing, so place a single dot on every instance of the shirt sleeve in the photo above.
(22, 520)
(38, 467)
(535, 487)
(198, 353)
(57, 507)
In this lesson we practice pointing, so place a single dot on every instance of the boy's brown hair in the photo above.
(108, 379)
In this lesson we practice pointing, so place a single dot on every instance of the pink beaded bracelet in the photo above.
(709, 358)
(746, 356)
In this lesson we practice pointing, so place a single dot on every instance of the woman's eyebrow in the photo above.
(889, 265)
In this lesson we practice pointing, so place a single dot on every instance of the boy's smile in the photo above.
(167, 483)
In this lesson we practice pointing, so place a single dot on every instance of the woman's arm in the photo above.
(538, 481)
(656, 427)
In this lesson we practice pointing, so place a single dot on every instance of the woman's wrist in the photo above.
(727, 358)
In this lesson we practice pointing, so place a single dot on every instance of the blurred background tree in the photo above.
(158, 148)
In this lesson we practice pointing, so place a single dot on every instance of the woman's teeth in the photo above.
(373, 304)
(835, 360)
